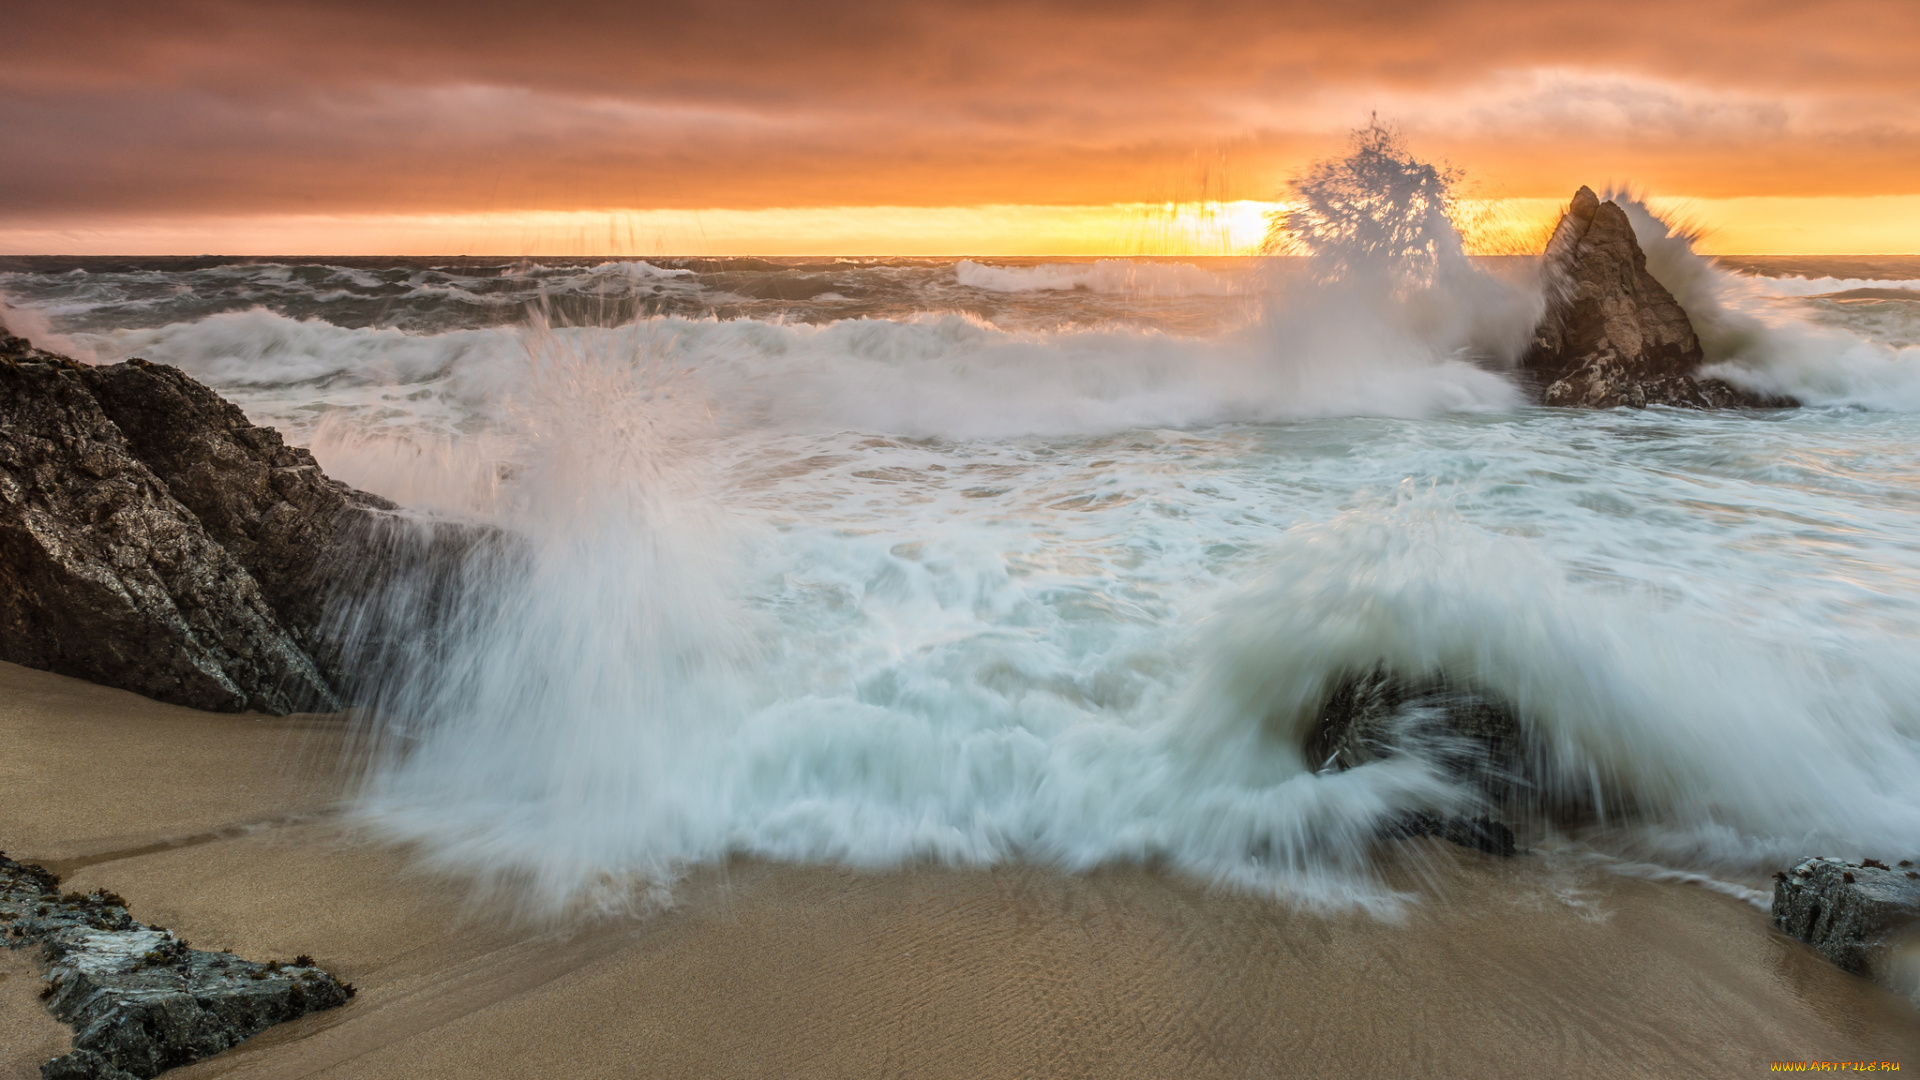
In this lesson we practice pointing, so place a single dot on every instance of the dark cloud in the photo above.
(216, 106)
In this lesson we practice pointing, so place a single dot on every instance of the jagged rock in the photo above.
(154, 539)
(298, 533)
(1475, 736)
(1613, 335)
(1865, 918)
(140, 1000)
(104, 575)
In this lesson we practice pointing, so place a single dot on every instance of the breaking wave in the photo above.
(1123, 276)
(1752, 341)
(831, 580)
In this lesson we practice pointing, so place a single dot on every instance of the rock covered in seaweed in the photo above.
(1612, 335)
(140, 1000)
(1863, 917)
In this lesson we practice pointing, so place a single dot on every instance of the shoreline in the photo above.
(221, 827)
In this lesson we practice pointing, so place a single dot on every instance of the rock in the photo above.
(1613, 335)
(1481, 833)
(1475, 736)
(105, 576)
(140, 1000)
(1865, 918)
(298, 533)
(154, 539)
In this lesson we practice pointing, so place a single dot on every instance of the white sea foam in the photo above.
(1795, 285)
(946, 376)
(1752, 342)
(883, 589)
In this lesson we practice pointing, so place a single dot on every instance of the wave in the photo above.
(934, 376)
(1752, 342)
(1826, 286)
(836, 647)
(1119, 276)
(1719, 742)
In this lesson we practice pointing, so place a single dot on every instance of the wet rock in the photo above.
(1473, 735)
(298, 533)
(106, 576)
(1864, 917)
(1374, 715)
(153, 539)
(1481, 833)
(1613, 335)
(140, 1000)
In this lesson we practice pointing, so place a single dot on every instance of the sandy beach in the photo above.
(226, 829)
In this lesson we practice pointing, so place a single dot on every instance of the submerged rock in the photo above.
(1476, 737)
(1865, 917)
(1613, 335)
(140, 1000)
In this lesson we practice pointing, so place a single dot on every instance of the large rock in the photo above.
(105, 576)
(1612, 335)
(1864, 917)
(154, 539)
(300, 534)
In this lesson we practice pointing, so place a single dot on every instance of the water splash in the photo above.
(1753, 341)
(1378, 214)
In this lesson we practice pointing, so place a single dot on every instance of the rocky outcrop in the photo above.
(153, 539)
(298, 533)
(139, 1000)
(105, 576)
(1612, 335)
(1864, 917)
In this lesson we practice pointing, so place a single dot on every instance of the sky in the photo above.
(749, 127)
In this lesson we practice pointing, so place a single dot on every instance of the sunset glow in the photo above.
(746, 127)
(1745, 226)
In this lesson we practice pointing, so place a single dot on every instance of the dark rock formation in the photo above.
(1865, 918)
(297, 532)
(139, 1000)
(1374, 715)
(152, 538)
(1481, 833)
(1613, 335)
(104, 575)
(1476, 737)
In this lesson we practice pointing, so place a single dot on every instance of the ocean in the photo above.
(874, 561)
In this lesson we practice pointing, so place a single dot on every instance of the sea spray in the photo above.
(1672, 730)
(1383, 291)
(578, 664)
(861, 563)
(1752, 342)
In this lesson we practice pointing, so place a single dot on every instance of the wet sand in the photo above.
(223, 829)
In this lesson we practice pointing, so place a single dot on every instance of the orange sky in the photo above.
(922, 128)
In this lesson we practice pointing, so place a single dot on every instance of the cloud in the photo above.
(314, 106)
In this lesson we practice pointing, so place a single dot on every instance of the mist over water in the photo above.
(879, 561)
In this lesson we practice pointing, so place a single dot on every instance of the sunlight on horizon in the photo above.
(1869, 225)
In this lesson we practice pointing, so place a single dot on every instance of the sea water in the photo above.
(873, 561)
